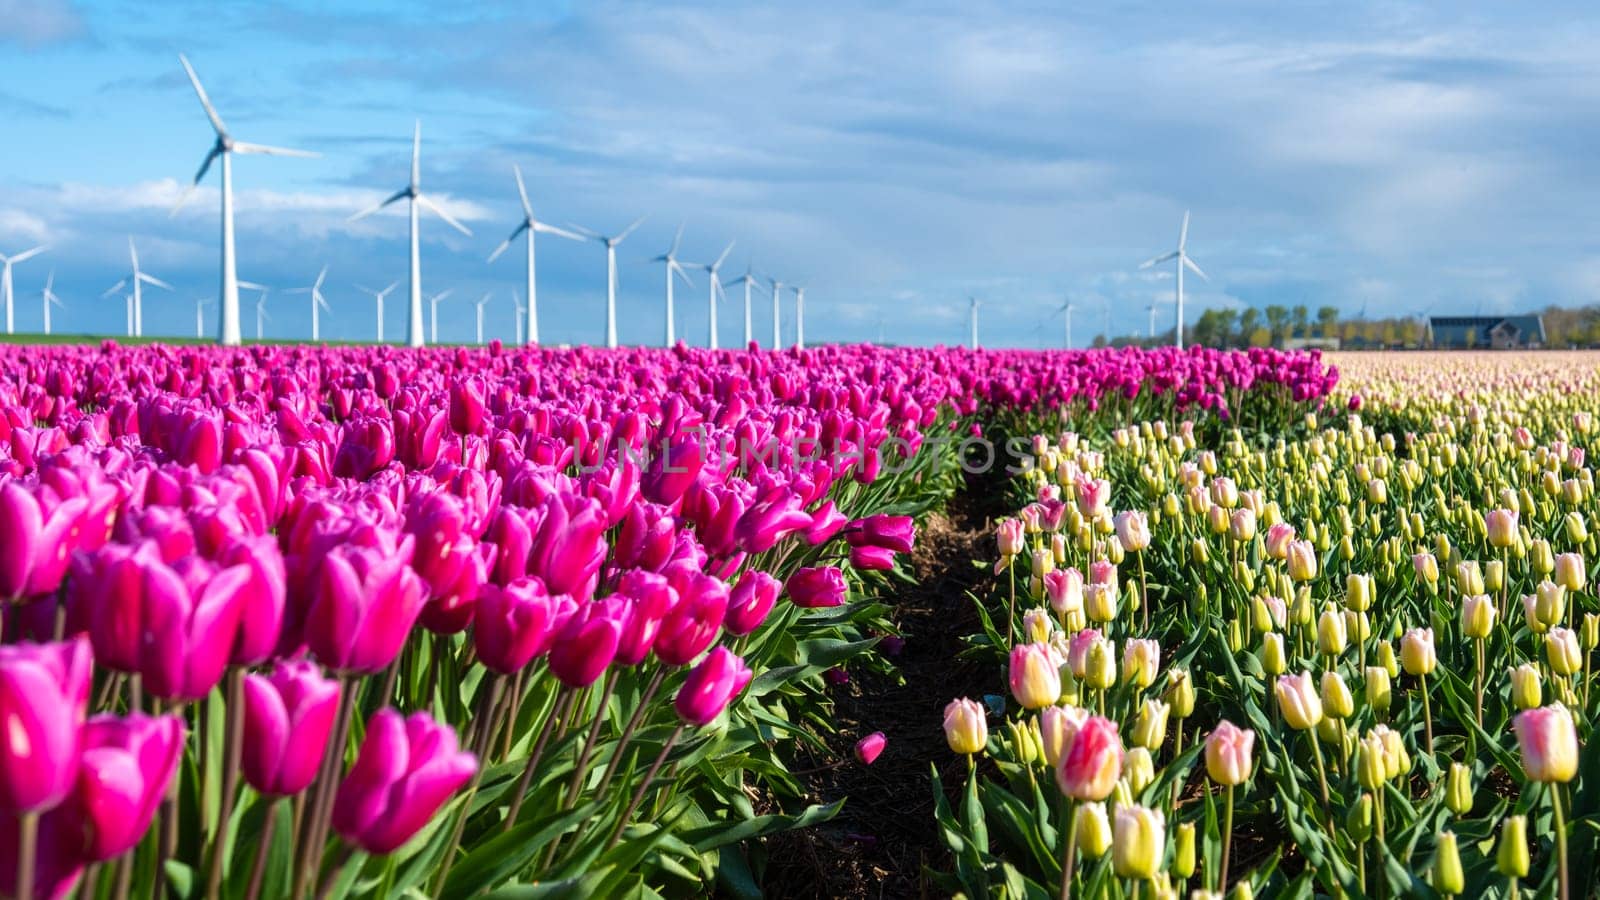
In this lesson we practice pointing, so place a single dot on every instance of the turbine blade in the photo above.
(522, 191)
(1194, 268)
(506, 244)
(434, 207)
(211, 111)
(397, 195)
(1158, 260)
(629, 230)
(264, 150)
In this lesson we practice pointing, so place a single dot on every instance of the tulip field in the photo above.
(522, 623)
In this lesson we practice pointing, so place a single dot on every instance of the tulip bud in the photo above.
(1525, 686)
(1511, 853)
(965, 728)
(1447, 875)
(1274, 661)
(1094, 829)
(1416, 651)
(1336, 700)
(1139, 841)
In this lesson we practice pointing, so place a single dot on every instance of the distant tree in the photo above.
(1277, 322)
(1327, 318)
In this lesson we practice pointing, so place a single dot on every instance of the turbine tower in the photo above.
(800, 318)
(378, 296)
(49, 298)
(716, 290)
(972, 312)
(1184, 262)
(315, 290)
(6, 262)
(412, 193)
(748, 279)
(674, 268)
(136, 300)
(225, 147)
(481, 301)
(611, 273)
(433, 314)
(529, 226)
(777, 336)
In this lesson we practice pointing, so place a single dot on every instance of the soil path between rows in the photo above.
(885, 836)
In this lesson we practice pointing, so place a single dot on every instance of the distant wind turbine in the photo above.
(748, 279)
(674, 268)
(433, 310)
(1184, 262)
(611, 273)
(715, 290)
(777, 334)
(136, 281)
(378, 296)
(49, 298)
(225, 147)
(317, 303)
(481, 301)
(530, 226)
(412, 193)
(800, 318)
(6, 262)
(972, 312)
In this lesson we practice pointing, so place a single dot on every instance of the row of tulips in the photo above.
(371, 622)
(1364, 656)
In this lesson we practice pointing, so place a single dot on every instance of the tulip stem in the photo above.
(1227, 843)
(638, 796)
(1322, 777)
(27, 850)
(258, 868)
(1561, 837)
(230, 776)
(1069, 856)
(1427, 710)
(533, 759)
(627, 731)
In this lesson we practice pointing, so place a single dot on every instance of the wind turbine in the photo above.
(261, 306)
(530, 226)
(412, 192)
(5, 278)
(522, 311)
(225, 147)
(972, 313)
(200, 303)
(481, 301)
(317, 301)
(1182, 256)
(777, 288)
(800, 318)
(748, 279)
(136, 281)
(433, 310)
(378, 296)
(611, 274)
(49, 298)
(1067, 308)
(674, 267)
(716, 289)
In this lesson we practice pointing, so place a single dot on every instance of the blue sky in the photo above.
(893, 157)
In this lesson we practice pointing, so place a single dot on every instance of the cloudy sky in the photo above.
(895, 158)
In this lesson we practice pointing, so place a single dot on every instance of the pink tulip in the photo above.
(868, 748)
(710, 686)
(44, 696)
(407, 769)
(288, 717)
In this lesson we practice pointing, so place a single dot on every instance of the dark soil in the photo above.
(880, 844)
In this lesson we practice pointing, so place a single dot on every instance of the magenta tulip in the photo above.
(711, 686)
(407, 769)
(288, 717)
(44, 696)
